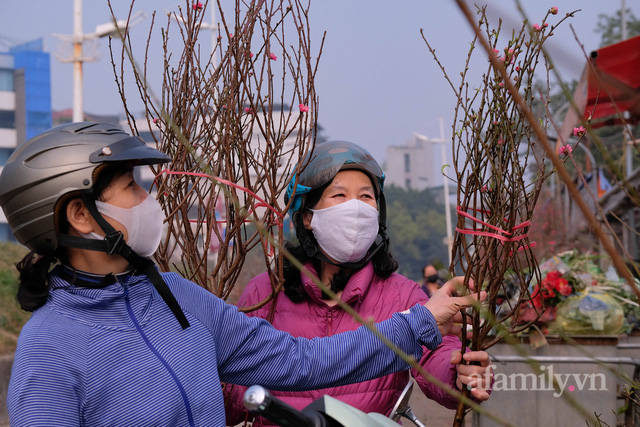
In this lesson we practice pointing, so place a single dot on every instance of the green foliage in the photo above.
(12, 318)
(611, 29)
(417, 229)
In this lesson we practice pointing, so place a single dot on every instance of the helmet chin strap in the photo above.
(114, 243)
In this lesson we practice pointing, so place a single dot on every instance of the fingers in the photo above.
(451, 287)
(454, 286)
(474, 376)
(480, 394)
(456, 329)
(478, 356)
(459, 303)
(476, 379)
(472, 285)
(470, 300)
(453, 329)
(481, 357)
(457, 318)
(456, 357)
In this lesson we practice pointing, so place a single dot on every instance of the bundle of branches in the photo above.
(499, 176)
(235, 122)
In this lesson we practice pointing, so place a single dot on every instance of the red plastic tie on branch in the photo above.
(466, 215)
(261, 203)
(229, 183)
(498, 229)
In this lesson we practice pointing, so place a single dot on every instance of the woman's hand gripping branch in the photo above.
(445, 306)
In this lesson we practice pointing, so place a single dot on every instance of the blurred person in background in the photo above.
(431, 280)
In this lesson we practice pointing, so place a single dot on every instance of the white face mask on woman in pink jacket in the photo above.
(346, 231)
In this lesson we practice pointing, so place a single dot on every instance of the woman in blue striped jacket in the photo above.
(113, 342)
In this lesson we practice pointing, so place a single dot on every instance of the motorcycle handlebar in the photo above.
(259, 401)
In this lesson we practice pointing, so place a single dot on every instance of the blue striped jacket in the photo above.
(116, 356)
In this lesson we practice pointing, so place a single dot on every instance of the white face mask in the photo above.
(345, 232)
(143, 223)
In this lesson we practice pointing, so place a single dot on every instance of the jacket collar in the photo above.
(92, 300)
(84, 279)
(355, 290)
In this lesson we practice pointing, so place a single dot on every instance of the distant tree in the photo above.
(611, 28)
(417, 229)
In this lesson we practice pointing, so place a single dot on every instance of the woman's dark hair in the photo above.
(383, 262)
(33, 269)
(34, 287)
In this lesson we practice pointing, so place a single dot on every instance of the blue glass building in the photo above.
(25, 101)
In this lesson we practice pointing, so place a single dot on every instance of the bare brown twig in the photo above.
(231, 123)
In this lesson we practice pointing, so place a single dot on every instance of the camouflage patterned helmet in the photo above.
(327, 160)
(61, 161)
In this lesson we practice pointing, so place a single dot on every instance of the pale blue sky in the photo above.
(377, 83)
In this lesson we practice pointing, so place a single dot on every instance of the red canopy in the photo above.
(610, 83)
(613, 82)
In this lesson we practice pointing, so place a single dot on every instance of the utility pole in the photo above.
(78, 108)
(447, 207)
(78, 38)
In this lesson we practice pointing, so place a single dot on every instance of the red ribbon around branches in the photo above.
(504, 237)
(261, 203)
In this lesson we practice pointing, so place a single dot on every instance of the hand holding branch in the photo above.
(476, 375)
(445, 305)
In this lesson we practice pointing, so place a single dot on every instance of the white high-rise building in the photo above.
(417, 165)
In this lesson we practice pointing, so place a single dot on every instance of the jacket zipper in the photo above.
(173, 375)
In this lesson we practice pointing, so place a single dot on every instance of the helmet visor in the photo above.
(132, 148)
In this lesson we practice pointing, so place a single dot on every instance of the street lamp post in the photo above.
(78, 38)
(447, 211)
(78, 108)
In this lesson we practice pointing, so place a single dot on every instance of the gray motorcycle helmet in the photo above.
(58, 162)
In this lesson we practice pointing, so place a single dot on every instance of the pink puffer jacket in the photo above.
(370, 296)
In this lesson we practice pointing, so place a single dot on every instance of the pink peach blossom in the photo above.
(565, 150)
(579, 131)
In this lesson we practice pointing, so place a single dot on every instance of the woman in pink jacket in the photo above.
(339, 214)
